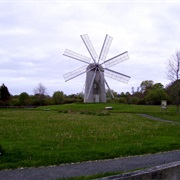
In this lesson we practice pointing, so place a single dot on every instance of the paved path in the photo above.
(158, 119)
(91, 167)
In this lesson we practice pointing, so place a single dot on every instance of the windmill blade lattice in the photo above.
(89, 46)
(116, 60)
(75, 73)
(105, 48)
(116, 75)
(76, 56)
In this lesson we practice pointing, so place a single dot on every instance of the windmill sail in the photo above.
(116, 75)
(116, 60)
(89, 46)
(75, 73)
(105, 48)
(77, 56)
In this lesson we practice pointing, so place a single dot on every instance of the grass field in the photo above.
(79, 132)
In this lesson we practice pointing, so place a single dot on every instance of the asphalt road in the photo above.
(91, 167)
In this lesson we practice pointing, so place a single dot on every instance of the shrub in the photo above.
(122, 100)
(134, 100)
(2, 151)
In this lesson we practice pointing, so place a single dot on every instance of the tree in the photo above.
(40, 92)
(173, 74)
(23, 98)
(110, 93)
(140, 95)
(172, 91)
(4, 94)
(158, 86)
(146, 86)
(155, 96)
(134, 100)
(58, 97)
(122, 100)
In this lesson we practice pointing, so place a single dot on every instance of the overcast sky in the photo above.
(35, 34)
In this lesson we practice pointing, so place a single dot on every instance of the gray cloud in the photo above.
(34, 35)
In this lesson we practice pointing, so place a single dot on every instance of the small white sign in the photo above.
(164, 104)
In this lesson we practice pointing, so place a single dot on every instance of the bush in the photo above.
(134, 100)
(2, 151)
(122, 100)
(155, 96)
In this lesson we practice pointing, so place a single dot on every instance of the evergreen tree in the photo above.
(4, 94)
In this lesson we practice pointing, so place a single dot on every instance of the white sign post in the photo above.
(163, 105)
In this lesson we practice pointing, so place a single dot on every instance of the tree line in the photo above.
(40, 97)
(147, 93)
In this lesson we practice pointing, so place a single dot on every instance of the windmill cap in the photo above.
(94, 66)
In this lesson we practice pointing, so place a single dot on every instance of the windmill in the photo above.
(97, 69)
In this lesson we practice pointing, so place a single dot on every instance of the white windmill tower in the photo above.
(96, 70)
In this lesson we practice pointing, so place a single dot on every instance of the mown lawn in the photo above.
(80, 132)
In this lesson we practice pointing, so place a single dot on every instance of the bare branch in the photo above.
(173, 67)
(173, 74)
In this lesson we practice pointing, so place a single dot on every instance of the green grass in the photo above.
(101, 106)
(172, 116)
(79, 132)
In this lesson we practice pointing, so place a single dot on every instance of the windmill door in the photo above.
(96, 97)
